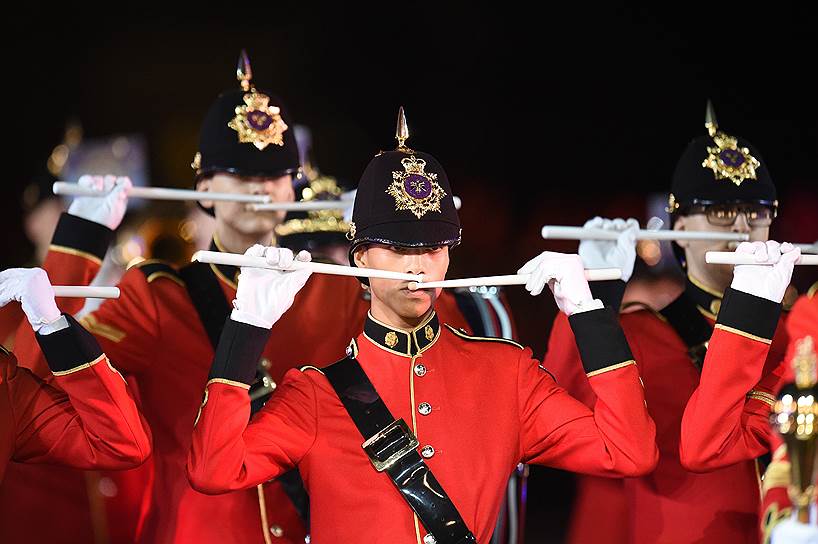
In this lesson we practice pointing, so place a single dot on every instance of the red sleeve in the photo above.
(127, 328)
(226, 453)
(89, 421)
(618, 437)
(563, 361)
(74, 258)
(726, 418)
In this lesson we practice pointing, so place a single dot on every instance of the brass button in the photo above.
(429, 539)
(425, 408)
(420, 370)
(427, 452)
(277, 531)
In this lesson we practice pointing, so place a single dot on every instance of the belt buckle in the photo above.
(390, 445)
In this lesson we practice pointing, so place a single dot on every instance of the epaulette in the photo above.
(155, 269)
(466, 336)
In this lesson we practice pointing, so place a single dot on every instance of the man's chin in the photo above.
(415, 309)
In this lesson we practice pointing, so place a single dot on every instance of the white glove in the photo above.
(619, 253)
(765, 281)
(565, 276)
(791, 531)
(30, 287)
(264, 295)
(108, 210)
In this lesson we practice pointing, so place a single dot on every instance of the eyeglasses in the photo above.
(725, 215)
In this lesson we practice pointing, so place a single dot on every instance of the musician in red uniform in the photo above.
(75, 504)
(673, 504)
(444, 416)
(163, 329)
(724, 424)
(86, 419)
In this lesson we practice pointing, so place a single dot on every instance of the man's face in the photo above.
(235, 214)
(394, 296)
(717, 276)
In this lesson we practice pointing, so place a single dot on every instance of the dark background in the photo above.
(546, 116)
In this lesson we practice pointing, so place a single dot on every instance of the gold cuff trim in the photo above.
(744, 334)
(228, 382)
(766, 398)
(92, 325)
(612, 367)
(76, 252)
(310, 367)
(78, 368)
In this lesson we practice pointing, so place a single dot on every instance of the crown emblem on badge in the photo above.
(257, 122)
(413, 189)
(726, 159)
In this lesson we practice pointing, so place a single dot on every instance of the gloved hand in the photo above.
(764, 280)
(30, 287)
(619, 253)
(791, 531)
(108, 210)
(565, 276)
(264, 295)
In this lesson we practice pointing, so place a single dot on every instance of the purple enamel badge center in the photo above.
(259, 120)
(731, 158)
(417, 186)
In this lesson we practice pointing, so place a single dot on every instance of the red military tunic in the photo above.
(478, 407)
(154, 333)
(88, 421)
(76, 507)
(727, 420)
(672, 504)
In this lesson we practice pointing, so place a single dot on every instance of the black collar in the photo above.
(708, 300)
(399, 341)
(226, 273)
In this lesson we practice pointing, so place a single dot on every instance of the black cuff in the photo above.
(69, 348)
(749, 313)
(238, 352)
(82, 235)
(610, 292)
(600, 339)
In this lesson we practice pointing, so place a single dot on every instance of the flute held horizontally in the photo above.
(555, 232)
(235, 259)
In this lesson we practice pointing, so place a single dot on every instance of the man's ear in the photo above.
(205, 185)
(359, 256)
(680, 225)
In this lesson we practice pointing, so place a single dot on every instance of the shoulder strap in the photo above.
(392, 448)
(208, 299)
(692, 327)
